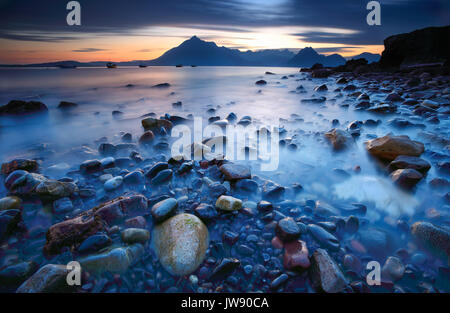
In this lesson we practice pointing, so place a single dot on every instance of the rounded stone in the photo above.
(135, 235)
(113, 183)
(287, 229)
(163, 209)
(228, 203)
(180, 243)
(10, 203)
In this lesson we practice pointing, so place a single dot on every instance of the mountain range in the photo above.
(195, 51)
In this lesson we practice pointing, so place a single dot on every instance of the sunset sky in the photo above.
(117, 30)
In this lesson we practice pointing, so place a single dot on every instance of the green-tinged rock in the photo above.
(10, 203)
(228, 203)
(114, 260)
(48, 279)
(53, 189)
(135, 235)
(180, 243)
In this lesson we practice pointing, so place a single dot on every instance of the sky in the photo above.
(35, 31)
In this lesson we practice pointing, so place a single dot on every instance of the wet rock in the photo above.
(62, 205)
(136, 222)
(279, 281)
(406, 178)
(321, 73)
(432, 237)
(224, 268)
(48, 279)
(234, 172)
(155, 125)
(261, 82)
(164, 209)
(13, 276)
(389, 147)
(324, 238)
(324, 209)
(10, 203)
(113, 183)
(8, 222)
(383, 108)
(19, 164)
(134, 178)
(18, 107)
(321, 88)
(94, 243)
(23, 183)
(264, 206)
(135, 235)
(91, 166)
(53, 189)
(71, 232)
(206, 212)
(325, 274)
(247, 185)
(404, 161)
(374, 240)
(162, 177)
(287, 229)
(421, 46)
(393, 269)
(156, 168)
(107, 149)
(296, 255)
(272, 191)
(393, 97)
(230, 237)
(66, 105)
(147, 138)
(114, 260)
(339, 139)
(180, 243)
(228, 203)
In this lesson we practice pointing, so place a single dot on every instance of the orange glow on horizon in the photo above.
(150, 43)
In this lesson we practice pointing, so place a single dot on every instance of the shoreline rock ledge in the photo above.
(181, 243)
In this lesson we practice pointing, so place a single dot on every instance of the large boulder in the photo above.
(390, 147)
(180, 243)
(19, 107)
(428, 45)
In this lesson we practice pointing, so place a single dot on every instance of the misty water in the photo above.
(99, 91)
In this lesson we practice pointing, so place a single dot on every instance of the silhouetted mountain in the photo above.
(307, 57)
(370, 57)
(268, 57)
(199, 52)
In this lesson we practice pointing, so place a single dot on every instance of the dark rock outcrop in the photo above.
(428, 45)
(19, 107)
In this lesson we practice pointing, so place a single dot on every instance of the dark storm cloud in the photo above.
(123, 17)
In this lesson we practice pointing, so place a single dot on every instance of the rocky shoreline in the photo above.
(139, 220)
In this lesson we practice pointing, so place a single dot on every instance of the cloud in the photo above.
(89, 50)
(107, 17)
